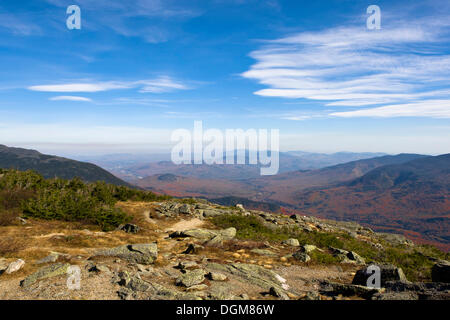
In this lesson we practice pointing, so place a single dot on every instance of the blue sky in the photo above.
(137, 70)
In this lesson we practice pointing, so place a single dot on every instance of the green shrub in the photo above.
(68, 200)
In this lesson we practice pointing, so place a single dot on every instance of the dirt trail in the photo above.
(186, 224)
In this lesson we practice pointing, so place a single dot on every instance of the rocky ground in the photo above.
(174, 251)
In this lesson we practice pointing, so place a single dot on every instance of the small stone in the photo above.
(15, 266)
(191, 278)
(198, 287)
(291, 242)
(52, 257)
(184, 265)
(215, 276)
(301, 256)
(308, 248)
(129, 228)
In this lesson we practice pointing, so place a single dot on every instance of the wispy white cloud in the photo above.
(150, 20)
(19, 25)
(427, 108)
(70, 98)
(354, 67)
(158, 85)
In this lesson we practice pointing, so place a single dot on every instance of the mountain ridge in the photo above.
(53, 166)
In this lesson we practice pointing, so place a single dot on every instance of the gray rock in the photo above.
(291, 242)
(191, 278)
(197, 287)
(353, 256)
(205, 234)
(441, 271)
(184, 265)
(129, 228)
(264, 252)
(388, 273)
(253, 274)
(51, 271)
(351, 290)
(216, 276)
(15, 266)
(209, 213)
(301, 256)
(135, 253)
(51, 258)
(308, 248)
(184, 209)
(228, 233)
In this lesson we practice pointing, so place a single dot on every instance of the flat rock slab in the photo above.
(253, 274)
(134, 253)
(51, 271)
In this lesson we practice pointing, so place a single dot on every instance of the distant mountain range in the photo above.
(133, 167)
(412, 197)
(406, 193)
(53, 166)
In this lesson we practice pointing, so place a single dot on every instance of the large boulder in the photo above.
(134, 253)
(441, 271)
(387, 273)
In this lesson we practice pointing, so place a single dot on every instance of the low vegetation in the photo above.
(30, 195)
(415, 261)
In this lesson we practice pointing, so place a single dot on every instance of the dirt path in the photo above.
(186, 224)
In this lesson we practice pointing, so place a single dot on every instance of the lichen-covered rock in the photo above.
(52, 257)
(251, 273)
(308, 248)
(129, 228)
(135, 253)
(301, 256)
(191, 278)
(228, 233)
(51, 271)
(216, 276)
(205, 234)
(264, 252)
(291, 242)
